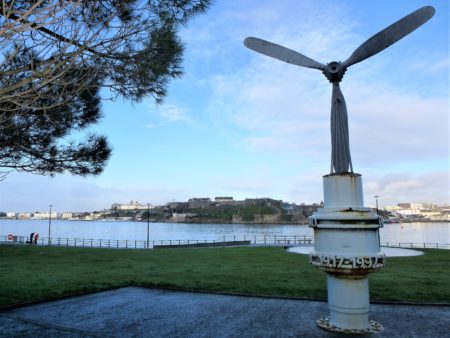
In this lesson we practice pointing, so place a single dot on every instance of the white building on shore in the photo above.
(44, 215)
(133, 205)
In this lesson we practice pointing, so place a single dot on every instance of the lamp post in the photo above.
(148, 225)
(376, 202)
(49, 225)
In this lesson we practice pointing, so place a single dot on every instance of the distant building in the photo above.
(44, 215)
(224, 200)
(261, 201)
(24, 215)
(392, 208)
(435, 215)
(408, 212)
(404, 205)
(66, 215)
(195, 203)
(178, 206)
(443, 216)
(289, 208)
(133, 205)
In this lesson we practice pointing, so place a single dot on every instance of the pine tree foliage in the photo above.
(56, 56)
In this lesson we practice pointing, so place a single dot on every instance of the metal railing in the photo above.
(272, 240)
(412, 245)
(139, 244)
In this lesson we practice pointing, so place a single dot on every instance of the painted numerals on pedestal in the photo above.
(347, 262)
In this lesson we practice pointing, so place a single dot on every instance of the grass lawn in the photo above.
(33, 273)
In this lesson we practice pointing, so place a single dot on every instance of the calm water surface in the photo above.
(399, 232)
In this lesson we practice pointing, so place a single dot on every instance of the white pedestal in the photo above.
(346, 246)
(348, 300)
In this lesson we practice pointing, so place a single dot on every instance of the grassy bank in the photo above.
(31, 273)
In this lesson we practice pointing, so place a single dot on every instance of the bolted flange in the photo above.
(334, 71)
(374, 327)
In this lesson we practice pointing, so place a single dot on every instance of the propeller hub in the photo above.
(334, 71)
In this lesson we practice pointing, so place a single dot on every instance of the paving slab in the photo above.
(141, 312)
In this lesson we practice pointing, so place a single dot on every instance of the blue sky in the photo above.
(244, 125)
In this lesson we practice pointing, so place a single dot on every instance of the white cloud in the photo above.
(172, 113)
(169, 113)
(403, 187)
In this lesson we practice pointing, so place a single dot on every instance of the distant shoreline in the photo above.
(205, 222)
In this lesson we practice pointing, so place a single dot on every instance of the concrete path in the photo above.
(140, 312)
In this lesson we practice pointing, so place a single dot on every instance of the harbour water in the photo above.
(392, 233)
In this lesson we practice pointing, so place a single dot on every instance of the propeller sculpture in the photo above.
(334, 71)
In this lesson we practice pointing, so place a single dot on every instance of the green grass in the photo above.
(31, 273)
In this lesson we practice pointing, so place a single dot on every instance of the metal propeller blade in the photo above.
(341, 161)
(390, 35)
(281, 53)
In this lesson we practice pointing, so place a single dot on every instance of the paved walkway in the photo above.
(140, 312)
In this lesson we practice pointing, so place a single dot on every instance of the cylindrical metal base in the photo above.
(348, 300)
(347, 248)
(343, 191)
